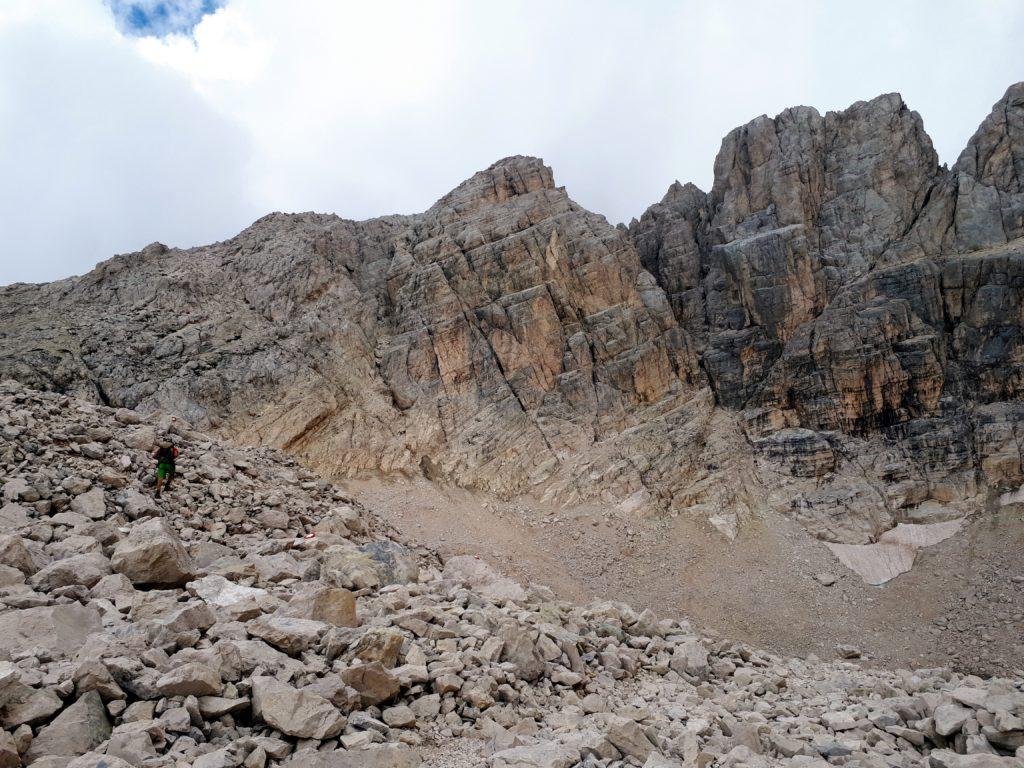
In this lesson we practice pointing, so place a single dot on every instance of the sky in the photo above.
(124, 122)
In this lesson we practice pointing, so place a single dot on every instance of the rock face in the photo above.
(838, 310)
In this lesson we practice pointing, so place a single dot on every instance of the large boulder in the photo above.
(536, 756)
(236, 601)
(394, 563)
(629, 738)
(91, 504)
(382, 756)
(520, 648)
(290, 635)
(9, 757)
(85, 569)
(346, 566)
(136, 504)
(153, 555)
(476, 574)
(319, 602)
(947, 758)
(293, 712)
(59, 629)
(381, 644)
(78, 729)
(15, 554)
(12, 517)
(691, 658)
(373, 682)
(192, 679)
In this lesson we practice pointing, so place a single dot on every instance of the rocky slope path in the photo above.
(255, 617)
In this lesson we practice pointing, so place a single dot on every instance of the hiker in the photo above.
(165, 453)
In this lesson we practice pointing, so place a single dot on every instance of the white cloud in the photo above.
(108, 142)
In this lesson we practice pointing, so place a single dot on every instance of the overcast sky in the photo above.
(182, 121)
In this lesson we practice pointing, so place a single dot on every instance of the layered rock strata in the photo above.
(835, 325)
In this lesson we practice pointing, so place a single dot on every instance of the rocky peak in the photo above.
(505, 179)
(995, 153)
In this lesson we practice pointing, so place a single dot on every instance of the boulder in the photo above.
(81, 727)
(949, 718)
(9, 757)
(96, 760)
(15, 554)
(629, 738)
(287, 634)
(136, 504)
(536, 756)
(152, 554)
(399, 717)
(13, 517)
(379, 756)
(234, 600)
(28, 706)
(344, 565)
(294, 712)
(93, 675)
(394, 563)
(520, 649)
(691, 658)
(946, 758)
(90, 504)
(10, 577)
(60, 629)
(472, 572)
(127, 416)
(381, 644)
(319, 602)
(279, 567)
(374, 684)
(192, 679)
(85, 569)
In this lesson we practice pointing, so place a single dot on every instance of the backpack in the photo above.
(166, 455)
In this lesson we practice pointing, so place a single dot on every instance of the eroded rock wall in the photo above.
(834, 329)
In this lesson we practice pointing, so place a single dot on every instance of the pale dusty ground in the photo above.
(958, 606)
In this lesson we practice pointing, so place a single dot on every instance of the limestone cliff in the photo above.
(834, 329)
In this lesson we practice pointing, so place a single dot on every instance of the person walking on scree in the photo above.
(165, 453)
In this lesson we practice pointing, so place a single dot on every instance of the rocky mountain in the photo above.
(834, 330)
(256, 616)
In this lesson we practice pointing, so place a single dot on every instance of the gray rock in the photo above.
(59, 629)
(382, 756)
(535, 756)
(294, 712)
(628, 738)
(80, 728)
(13, 518)
(153, 554)
(288, 634)
(949, 718)
(691, 658)
(192, 679)
(14, 553)
(86, 570)
(90, 504)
